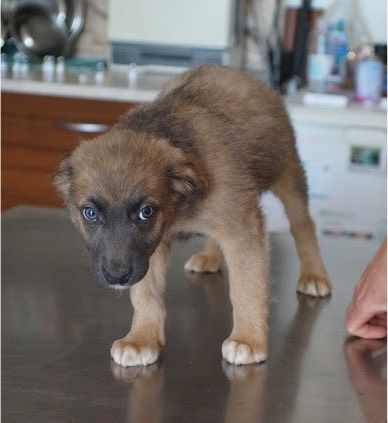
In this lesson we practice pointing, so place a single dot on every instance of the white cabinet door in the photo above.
(346, 173)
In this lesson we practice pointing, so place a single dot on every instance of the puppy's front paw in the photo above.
(314, 285)
(203, 262)
(127, 353)
(237, 352)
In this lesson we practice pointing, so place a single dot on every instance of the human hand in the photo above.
(367, 312)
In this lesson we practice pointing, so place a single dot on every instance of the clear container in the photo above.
(369, 80)
(319, 63)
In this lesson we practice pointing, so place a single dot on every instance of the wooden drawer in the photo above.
(37, 132)
(55, 123)
(32, 186)
(27, 176)
(30, 159)
(62, 108)
(47, 134)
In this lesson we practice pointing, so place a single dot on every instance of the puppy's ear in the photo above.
(63, 177)
(187, 182)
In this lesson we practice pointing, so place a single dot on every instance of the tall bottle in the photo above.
(319, 63)
(346, 33)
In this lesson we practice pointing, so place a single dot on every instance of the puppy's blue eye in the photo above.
(146, 212)
(90, 214)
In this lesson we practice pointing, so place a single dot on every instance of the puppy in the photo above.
(194, 160)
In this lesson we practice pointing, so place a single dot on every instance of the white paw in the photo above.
(127, 354)
(202, 263)
(314, 286)
(239, 353)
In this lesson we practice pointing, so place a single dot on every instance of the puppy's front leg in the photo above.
(247, 260)
(143, 343)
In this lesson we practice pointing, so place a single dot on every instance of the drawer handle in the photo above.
(91, 128)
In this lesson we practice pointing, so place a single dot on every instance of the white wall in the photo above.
(199, 23)
(375, 15)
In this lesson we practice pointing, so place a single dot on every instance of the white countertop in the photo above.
(92, 92)
(116, 86)
(354, 115)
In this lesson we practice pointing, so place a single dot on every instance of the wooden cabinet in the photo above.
(37, 131)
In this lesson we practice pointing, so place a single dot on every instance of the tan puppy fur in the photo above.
(199, 156)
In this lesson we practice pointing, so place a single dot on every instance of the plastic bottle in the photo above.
(337, 48)
(319, 63)
(369, 79)
(48, 68)
(347, 31)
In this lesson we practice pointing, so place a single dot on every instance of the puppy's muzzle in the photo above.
(117, 278)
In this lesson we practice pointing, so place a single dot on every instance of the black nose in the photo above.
(116, 278)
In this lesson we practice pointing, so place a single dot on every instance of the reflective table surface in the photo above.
(58, 326)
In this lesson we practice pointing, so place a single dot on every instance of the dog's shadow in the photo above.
(144, 401)
(254, 386)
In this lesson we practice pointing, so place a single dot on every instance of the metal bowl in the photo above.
(37, 30)
(46, 27)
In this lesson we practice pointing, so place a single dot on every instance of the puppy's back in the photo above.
(245, 118)
(226, 91)
(224, 116)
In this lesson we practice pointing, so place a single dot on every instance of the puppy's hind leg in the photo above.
(143, 343)
(291, 188)
(208, 260)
